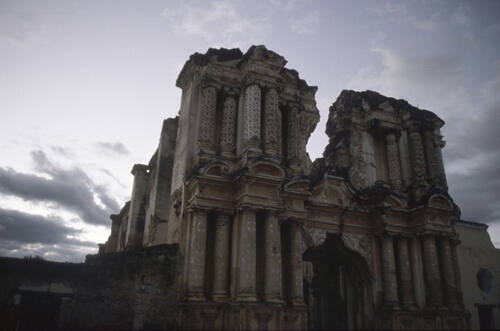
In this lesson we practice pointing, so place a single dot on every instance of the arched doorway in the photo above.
(338, 292)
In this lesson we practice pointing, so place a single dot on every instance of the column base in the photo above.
(220, 298)
(273, 299)
(246, 298)
(196, 298)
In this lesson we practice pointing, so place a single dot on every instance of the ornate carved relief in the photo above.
(228, 130)
(271, 124)
(361, 244)
(293, 136)
(313, 237)
(417, 155)
(207, 118)
(393, 161)
(252, 115)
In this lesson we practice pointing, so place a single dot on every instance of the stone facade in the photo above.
(362, 238)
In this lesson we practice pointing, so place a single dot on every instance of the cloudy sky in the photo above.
(85, 85)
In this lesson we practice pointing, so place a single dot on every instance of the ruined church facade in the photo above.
(361, 238)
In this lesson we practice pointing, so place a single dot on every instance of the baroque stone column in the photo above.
(405, 279)
(417, 156)
(197, 241)
(272, 123)
(389, 272)
(447, 264)
(431, 269)
(221, 257)
(206, 137)
(272, 251)
(393, 161)
(417, 271)
(293, 137)
(228, 129)
(251, 122)
(247, 257)
(437, 161)
(296, 265)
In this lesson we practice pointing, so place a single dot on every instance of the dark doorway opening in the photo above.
(338, 296)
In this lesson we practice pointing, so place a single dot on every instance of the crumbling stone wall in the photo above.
(126, 290)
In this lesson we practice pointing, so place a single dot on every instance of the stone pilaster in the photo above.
(296, 265)
(272, 251)
(197, 241)
(247, 256)
(393, 161)
(389, 272)
(405, 279)
(417, 271)
(221, 257)
(293, 138)
(454, 243)
(447, 264)
(206, 137)
(417, 156)
(228, 129)
(272, 123)
(251, 122)
(432, 275)
(437, 161)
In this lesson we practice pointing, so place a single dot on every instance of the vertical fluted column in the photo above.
(431, 269)
(251, 125)
(393, 160)
(271, 122)
(296, 265)
(293, 137)
(228, 129)
(221, 257)
(247, 257)
(272, 251)
(206, 137)
(417, 271)
(417, 157)
(450, 282)
(197, 241)
(405, 279)
(389, 272)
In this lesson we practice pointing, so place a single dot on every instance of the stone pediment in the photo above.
(217, 169)
(300, 186)
(441, 202)
(266, 169)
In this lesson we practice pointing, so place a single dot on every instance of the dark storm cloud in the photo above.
(71, 189)
(24, 228)
(117, 148)
(477, 186)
